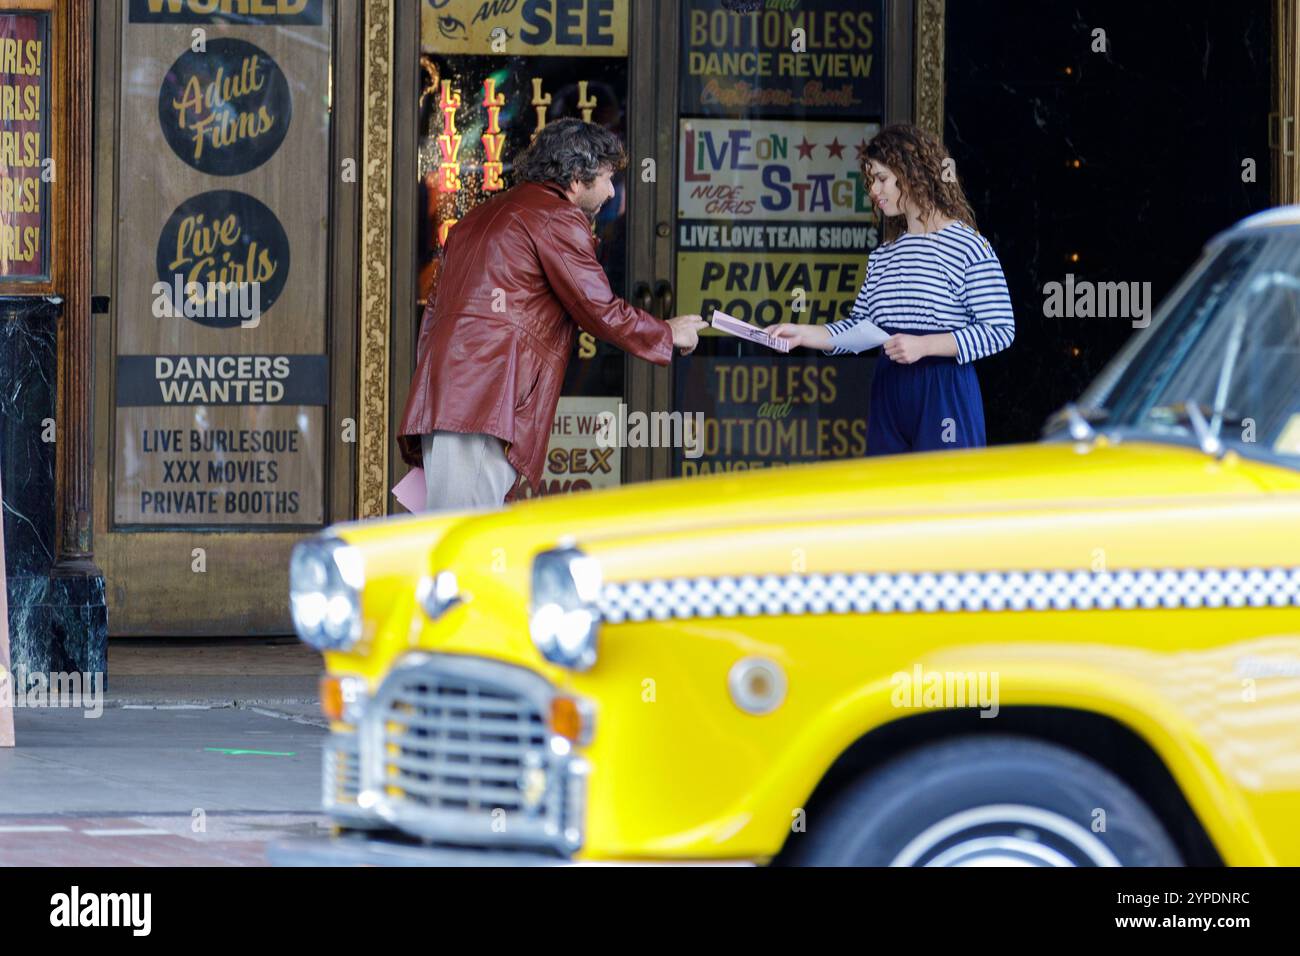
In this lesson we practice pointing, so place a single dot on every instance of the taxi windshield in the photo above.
(1223, 361)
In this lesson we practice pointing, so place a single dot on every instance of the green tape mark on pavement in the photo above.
(233, 752)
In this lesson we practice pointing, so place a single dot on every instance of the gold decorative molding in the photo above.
(928, 90)
(376, 266)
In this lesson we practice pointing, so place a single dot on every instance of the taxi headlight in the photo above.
(325, 581)
(564, 617)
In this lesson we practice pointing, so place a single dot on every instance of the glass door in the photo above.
(771, 221)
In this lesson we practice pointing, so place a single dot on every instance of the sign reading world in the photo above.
(241, 12)
(226, 110)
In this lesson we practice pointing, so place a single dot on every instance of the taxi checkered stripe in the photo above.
(955, 591)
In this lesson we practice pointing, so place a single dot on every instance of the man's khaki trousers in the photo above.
(465, 471)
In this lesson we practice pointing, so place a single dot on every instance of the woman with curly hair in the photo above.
(936, 287)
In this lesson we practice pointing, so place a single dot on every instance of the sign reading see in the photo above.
(526, 27)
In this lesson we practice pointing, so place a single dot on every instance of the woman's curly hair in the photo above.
(570, 149)
(917, 159)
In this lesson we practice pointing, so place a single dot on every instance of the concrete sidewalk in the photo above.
(277, 672)
(201, 755)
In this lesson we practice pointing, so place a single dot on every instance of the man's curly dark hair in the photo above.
(570, 149)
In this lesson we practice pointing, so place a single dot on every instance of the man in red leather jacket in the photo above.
(519, 277)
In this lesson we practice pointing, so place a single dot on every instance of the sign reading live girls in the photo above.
(761, 412)
(525, 27)
(221, 379)
(774, 219)
(791, 58)
(25, 172)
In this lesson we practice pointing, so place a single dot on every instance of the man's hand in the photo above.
(686, 332)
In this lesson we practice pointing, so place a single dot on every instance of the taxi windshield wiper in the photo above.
(1198, 417)
(1078, 420)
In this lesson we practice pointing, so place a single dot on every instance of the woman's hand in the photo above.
(906, 349)
(808, 336)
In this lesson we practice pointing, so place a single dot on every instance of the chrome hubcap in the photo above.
(1006, 835)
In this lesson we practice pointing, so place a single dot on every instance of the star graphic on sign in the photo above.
(835, 148)
(805, 149)
(862, 151)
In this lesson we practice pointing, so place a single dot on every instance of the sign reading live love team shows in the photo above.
(222, 373)
(24, 146)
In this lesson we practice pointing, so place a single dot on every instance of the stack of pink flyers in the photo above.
(743, 330)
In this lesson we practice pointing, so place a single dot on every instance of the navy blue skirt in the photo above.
(930, 405)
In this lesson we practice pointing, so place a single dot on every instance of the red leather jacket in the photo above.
(496, 338)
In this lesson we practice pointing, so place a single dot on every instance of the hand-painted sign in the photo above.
(805, 58)
(764, 169)
(525, 27)
(761, 412)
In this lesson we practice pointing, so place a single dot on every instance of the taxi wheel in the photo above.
(985, 801)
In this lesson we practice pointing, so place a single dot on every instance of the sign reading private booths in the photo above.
(222, 373)
(811, 57)
(24, 147)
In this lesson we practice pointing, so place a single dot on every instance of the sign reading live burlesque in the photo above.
(24, 146)
(222, 372)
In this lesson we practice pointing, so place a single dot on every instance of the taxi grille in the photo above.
(457, 749)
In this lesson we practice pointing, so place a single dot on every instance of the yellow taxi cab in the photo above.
(1083, 651)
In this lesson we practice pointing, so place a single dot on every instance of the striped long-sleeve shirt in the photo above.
(923, 283)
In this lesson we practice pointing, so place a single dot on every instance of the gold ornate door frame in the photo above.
(1286, 102)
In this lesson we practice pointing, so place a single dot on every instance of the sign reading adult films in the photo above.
(24, 147)
(225, 110)
(806, 57)
(774, 219)
(222, 375)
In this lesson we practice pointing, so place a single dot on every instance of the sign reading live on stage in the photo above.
(774, 220)
(759, 414)
(25, 170)
(492, 76)
(222, 371)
